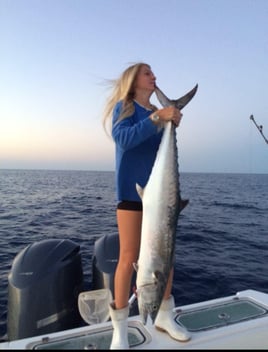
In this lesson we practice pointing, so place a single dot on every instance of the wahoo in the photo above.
(161, 207)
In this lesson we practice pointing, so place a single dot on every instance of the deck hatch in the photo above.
(99, 338)
(215, 316)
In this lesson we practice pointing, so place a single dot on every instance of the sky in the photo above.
(57, 55)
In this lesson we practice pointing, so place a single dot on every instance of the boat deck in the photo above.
(234, 322)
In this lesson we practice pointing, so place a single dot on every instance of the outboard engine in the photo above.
(105, 259)
(43, 287)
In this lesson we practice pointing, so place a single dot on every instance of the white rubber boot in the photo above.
(120, 333)
(165, 321)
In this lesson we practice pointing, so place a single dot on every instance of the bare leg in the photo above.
(129, 227)
(169, 284)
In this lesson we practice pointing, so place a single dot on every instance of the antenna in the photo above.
(259, 127)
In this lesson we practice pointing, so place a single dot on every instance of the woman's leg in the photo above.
(129, 227)
(169, 284)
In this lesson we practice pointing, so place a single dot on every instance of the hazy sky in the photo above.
(55, 56)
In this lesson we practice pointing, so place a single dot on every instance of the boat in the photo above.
(239, 321)
(235, 322)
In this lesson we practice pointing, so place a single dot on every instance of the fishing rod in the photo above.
(259, 127)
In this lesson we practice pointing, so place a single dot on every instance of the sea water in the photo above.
(222, 235)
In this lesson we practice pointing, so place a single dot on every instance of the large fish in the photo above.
(161, 206)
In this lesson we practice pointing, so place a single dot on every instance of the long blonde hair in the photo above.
(123, 89)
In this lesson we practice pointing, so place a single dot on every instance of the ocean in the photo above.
(222, 235)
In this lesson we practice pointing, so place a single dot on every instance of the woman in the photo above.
(137, 131)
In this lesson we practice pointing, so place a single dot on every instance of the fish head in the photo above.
(150, 296)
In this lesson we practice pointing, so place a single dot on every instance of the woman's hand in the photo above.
(170, 113)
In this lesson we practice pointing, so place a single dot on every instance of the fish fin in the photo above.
(136, 266)
(163, 99)
(178, 103)
(184, 100)
(160, 280)
(140, 190)
(158, 275)
(183, 204)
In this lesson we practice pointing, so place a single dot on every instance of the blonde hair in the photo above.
(123, 89)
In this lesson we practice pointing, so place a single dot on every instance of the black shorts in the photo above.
(129, 205)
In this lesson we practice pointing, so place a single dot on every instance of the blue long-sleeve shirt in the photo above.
(137, 140)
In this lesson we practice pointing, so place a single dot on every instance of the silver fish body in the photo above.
(161, 207)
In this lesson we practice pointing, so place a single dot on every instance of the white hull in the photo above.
(234, 322)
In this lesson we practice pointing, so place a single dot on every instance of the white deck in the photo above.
(250, 333)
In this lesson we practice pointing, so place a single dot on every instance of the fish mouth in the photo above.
(148, 309)
(150, 296)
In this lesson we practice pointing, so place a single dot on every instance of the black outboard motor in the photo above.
(43, 287)
(105, 259)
